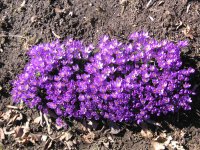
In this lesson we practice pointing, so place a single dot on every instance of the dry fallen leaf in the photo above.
(37, 120)
(8, 132)
(114, 128)
(106, 144)
(44, 138)
(23, 131)
(11, 116)
(19, 131)
(167, 142)
(188, 32)
(18, 117)
(66, 136)
(163, 141)
(111, 139)
(81, 127)
(35, 138)
(89, 138)
(48, 144)
(158, 146)
(69, 144)
(146, 134)
(158, 143)
(162, 137)
(176, 145)
(2, 135)
(7, 114)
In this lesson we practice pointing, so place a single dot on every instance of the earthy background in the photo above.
(24, 23)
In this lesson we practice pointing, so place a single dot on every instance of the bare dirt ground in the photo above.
(24, 23)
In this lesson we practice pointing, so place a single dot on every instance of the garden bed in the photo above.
(26, 23)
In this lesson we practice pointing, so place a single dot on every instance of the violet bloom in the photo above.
(122, 82)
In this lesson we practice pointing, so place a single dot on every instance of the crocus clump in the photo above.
(122, 82)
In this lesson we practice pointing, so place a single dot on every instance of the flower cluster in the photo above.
(114, 80)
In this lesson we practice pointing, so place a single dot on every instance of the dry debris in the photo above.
(58, 10)
(2, 135)
(66, 136)
(88, 138)
(145, 132)
(93, 124)
(47, 120)
(56, 35)
(22, 6)
(10, 117)
(188, 32)
(163, 141)
(48, 144)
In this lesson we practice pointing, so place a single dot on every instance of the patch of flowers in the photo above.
(117, 81)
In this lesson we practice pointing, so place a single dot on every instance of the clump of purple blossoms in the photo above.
(115, 81)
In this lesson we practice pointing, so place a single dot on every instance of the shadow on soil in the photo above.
(185, 119)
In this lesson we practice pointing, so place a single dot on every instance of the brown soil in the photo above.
(40, 21)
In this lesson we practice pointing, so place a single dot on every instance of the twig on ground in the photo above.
(11, 35)
(12, 107)
(41, 121)
(188, 7)
(47, 123)
(150, 3)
